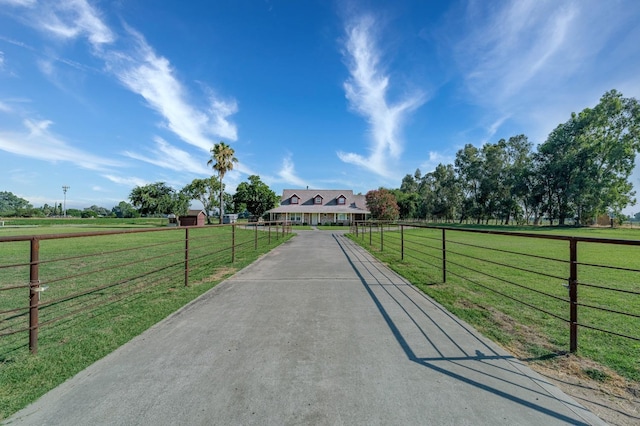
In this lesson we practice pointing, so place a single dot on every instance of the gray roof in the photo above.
(353, 203)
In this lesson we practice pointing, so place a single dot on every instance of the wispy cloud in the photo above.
(38, 142)
(508, 48)
(539, 61)
(367, 91)
(169, 157)
(434, 159)
(129, 181)
(287, 173)
(493, 127)
(152, 77)
(140, 69)
(68, 19)
(22, 3)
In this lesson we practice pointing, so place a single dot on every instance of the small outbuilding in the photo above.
(229, 218)
(193, 218)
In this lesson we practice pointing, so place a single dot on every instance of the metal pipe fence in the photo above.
(69, 278)
(541, 276)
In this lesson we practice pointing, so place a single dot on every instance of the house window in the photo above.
(294, 200)
(341, 200)
(295, 217)
(342, 216)
(317, 200)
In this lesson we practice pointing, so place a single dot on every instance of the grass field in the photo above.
(93, 222)
(489, 277)
(103, 291)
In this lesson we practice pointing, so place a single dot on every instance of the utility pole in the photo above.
(65, 188)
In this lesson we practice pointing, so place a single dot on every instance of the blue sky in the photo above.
(103, 96)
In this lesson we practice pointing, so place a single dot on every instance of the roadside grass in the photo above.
(491, 279)
(91, 222)
(89, 315)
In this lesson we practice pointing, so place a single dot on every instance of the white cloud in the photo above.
(367, 90)
(4, 107)
(129, 181)
(509, 49)
(169, 157)
(46, 67)
(71, 19)
(536, 62)
(68, 19)
(141, 70)
(22, 3)
(152, 77)
(40, 143)
(287, 174)
(434, 159)
(495, 126)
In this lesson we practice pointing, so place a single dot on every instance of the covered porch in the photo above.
(318, 218)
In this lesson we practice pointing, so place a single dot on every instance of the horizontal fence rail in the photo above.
(543, 278)
(44, 280)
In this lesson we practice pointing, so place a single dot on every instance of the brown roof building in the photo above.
(320, 206)
(193, 218)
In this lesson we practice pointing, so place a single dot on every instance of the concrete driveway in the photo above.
(316, 332)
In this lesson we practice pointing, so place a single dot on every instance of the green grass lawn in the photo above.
(488, 287)
(90, 222)
(102, 292)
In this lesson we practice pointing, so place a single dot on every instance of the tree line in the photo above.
(254, 196)
(580, 172)
(13, 206)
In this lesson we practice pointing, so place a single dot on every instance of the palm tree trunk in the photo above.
(221, 200)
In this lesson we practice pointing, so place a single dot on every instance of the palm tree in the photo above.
(222, 160)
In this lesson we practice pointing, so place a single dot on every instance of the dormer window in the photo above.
(295, 199)
(317, 200)
(341, 200)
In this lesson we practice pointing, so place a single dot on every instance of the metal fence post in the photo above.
(370, 232)
(402, 241)
(382, 237)
(444, 257)
(255, 237)
(233, 243)
(186, 257)
(269, 233)
(34, 295)
(573, 295)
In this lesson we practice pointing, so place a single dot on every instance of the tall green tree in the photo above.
(124, 210)
(468, 167)
(10, 204)
(407, 203)
(587, 161)
(446, 193)
(158, 198)
(408, 197)
(519, 179)
(207, 191)
(222, 160)
(256, 196)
